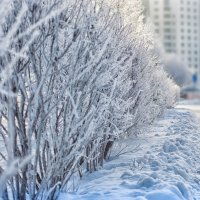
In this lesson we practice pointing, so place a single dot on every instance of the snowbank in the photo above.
(165, 165)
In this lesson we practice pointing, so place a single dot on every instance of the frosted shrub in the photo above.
(88, 76)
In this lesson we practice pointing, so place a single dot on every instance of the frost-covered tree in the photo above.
(88, 76)
(177, 70)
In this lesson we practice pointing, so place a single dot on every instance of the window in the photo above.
(166, 8)
(167, 16)
(167, 23)
(168, 44)
(167, 30)
(166, 2)
(168, 50)
(168, 37)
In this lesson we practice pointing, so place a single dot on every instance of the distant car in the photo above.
(190, 92)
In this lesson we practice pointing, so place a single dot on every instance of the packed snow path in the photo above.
(161, 164)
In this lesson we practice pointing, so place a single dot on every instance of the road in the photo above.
(195, 108)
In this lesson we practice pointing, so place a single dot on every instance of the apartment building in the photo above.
(177, 22)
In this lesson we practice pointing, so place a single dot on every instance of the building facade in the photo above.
(177, 22)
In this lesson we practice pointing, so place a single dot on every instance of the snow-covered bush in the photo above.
(89, 76)
(10, 55)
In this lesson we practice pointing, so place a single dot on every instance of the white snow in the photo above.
(163, 163)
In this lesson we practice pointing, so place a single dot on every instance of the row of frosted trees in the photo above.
(75, 76)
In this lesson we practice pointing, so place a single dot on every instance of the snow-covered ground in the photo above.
(161, 164)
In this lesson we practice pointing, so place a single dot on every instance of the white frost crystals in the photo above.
(86, 78)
